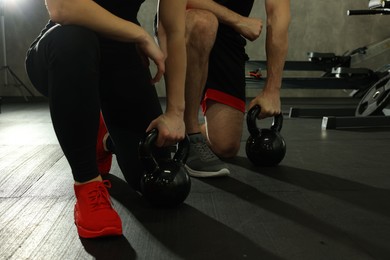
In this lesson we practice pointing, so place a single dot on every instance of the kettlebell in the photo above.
(264, 147)
(164, 182)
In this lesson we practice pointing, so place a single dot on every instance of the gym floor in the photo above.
(328, 199)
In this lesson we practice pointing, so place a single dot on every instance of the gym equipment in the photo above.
(356, 70)
(375, 99)
(375, 4)
(370, 110)
(373, 102)
(165, 182)
(264, 147)
(343, 122)
(372, 86)
(337, 72)
(374, 7)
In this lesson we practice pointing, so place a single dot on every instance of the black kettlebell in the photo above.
(165, 182)
(264, 147)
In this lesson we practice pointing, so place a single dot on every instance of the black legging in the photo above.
(83, 74)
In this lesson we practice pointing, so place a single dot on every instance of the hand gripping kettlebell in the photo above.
(165, 182)
(264, 147)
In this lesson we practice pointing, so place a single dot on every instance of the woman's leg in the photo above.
(129, 104)
(64, 65)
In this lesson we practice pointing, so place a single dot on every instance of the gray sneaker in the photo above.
(202, 162)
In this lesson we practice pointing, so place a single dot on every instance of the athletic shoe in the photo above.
(201, 161)
(103, 157)
(93, 212)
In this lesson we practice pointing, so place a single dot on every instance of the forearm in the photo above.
(249, 28)
(224, 15)
(278, 20)
(175, 71)
(276, 51)
(90, 15)
(173, 24)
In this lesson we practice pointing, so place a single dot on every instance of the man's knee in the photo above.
(226, 149)
(224, 128)
(201, 26)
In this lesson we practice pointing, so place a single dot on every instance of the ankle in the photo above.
(98, 178)
(194, 133)
(105, 142)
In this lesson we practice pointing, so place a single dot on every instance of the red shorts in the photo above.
(223, 98)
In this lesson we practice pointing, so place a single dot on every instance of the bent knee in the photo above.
(201, 22)
(226, 150)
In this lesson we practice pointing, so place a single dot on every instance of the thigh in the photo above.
(224, 124)
(63, 55)
(226, 72)
(129, 103)
(128, 100)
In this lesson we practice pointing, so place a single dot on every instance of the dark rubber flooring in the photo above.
(328, 199)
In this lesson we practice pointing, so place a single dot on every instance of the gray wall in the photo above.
(320, 25)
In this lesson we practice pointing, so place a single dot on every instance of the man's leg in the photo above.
(201, 29)
(223, 129)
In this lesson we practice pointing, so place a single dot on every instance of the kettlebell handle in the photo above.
(145, 151)
(253, 113)
(183, 149)
(146, 148)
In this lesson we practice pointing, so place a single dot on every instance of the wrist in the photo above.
(236, 21)
(273, 84)
(176, 110)
(271, 90)
(142, 38)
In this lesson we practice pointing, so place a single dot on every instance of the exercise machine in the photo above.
(345, 72)
(372, 109)
(336, 72)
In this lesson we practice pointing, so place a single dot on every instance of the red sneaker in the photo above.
(104, 158)
(93, 213)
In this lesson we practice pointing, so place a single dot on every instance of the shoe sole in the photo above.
(108, 231)
(200, 174)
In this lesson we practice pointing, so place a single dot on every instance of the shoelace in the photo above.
(99, 198)
(205, 153)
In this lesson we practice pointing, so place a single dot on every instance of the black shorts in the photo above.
(226, 77)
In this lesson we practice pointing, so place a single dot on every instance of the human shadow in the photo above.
(186, 231)
(322, 184)
(372, 198)
(108, 248)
